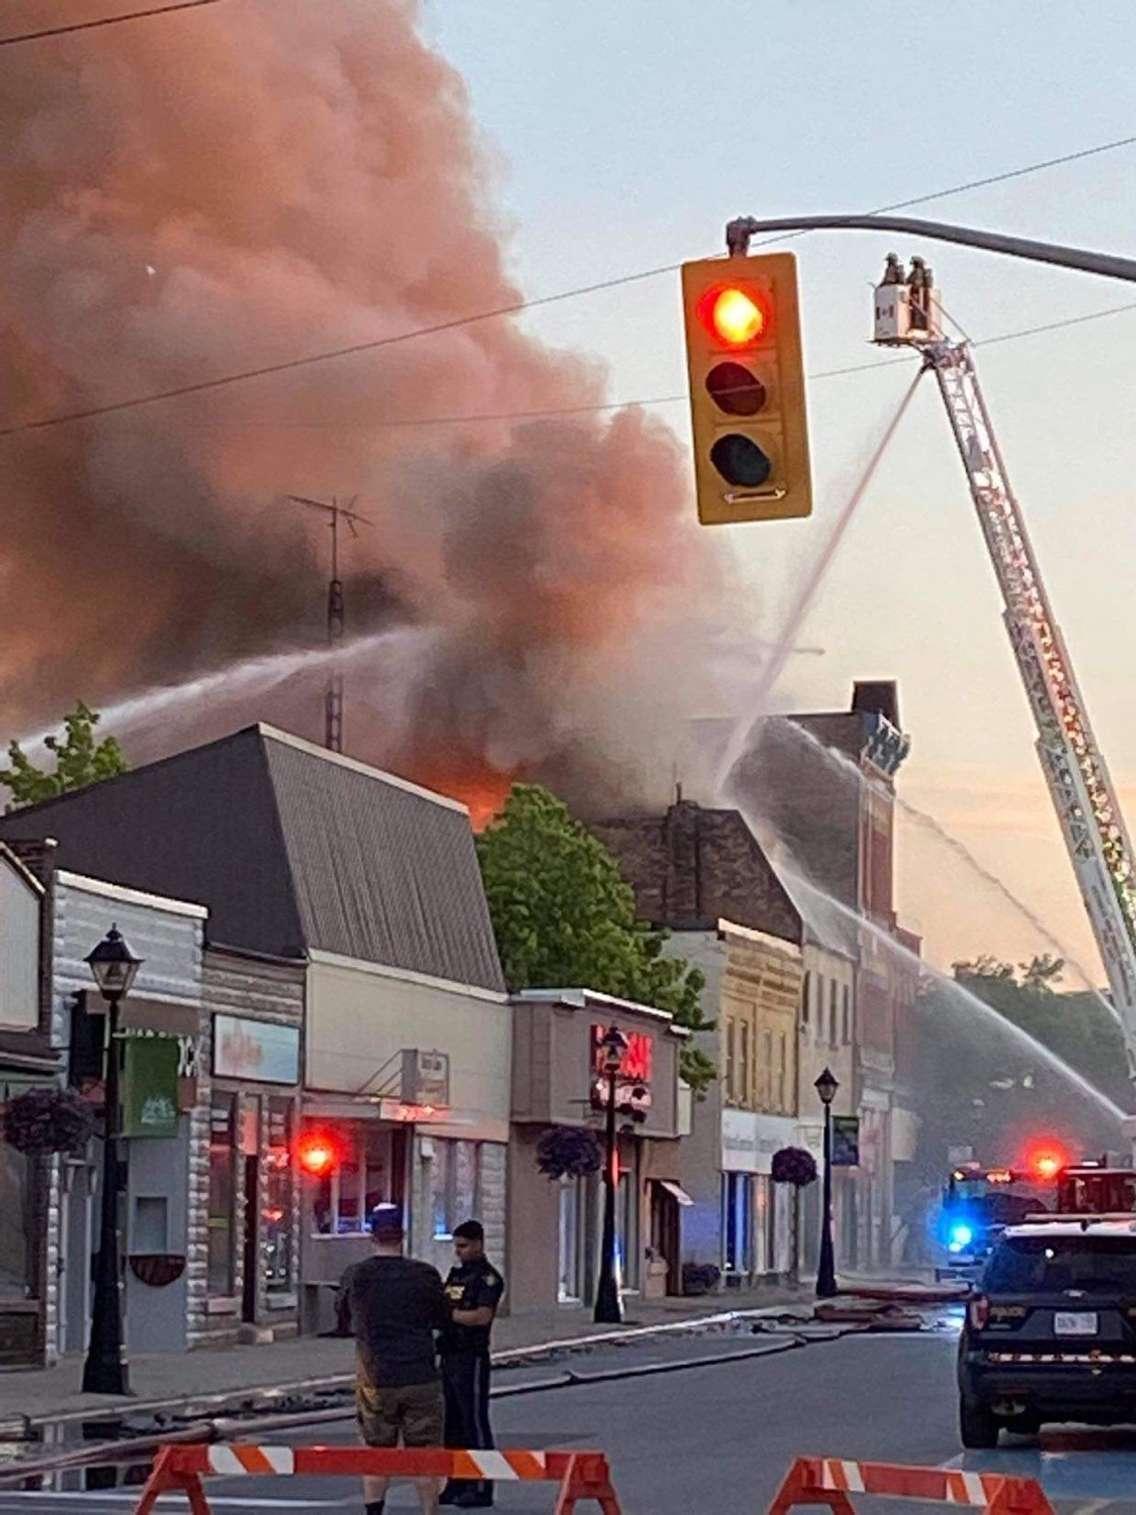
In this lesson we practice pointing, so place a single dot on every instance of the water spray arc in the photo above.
(784, 725)
(774, 664)
(990, 1018)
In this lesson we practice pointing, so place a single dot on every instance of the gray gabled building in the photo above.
(370, 885)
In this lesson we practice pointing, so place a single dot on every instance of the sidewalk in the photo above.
(44, 1392)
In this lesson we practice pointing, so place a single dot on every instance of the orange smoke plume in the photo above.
(237, 186)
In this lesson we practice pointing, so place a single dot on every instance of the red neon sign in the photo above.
(635, 1066)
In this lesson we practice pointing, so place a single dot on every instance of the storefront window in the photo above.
(277, 1209)
(736, 1221)
(366, 1176)
(571, 1239)
(17, 1247)
(222, 1194)
(455, 1180)
(627, 1229)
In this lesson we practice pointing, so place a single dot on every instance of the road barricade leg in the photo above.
(165, 1479)
(804, 1484)
(587, 1476)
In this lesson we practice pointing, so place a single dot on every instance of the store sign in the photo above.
(749, 1140)
(633, 1081)
(260, 1050)
(150, 1086)
(425, 1077)
(845, 1141)
(407, 1113)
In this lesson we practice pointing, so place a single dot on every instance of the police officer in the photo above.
(474, 1289)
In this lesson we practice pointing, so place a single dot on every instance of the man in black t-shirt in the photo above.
(394, 1305)
(474, 1289)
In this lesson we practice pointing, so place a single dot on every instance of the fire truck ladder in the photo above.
(1079, 784)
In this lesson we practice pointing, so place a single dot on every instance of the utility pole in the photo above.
(333, 696)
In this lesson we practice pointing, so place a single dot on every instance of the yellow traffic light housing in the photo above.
(747, 389)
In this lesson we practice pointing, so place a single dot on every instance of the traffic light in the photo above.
(747, 388)
(317, 1153)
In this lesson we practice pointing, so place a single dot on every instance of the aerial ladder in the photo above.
(908, 313)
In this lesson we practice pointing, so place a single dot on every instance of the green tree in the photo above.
(79, 761)
(562, 915)
(1077, 1025)
(984, 966)
(1041, 973)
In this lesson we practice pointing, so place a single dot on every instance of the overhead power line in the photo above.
(202, 386)
(473, 417)
(87, 26)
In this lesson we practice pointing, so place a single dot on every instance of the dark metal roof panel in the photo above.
(381, 870)
(200, 825)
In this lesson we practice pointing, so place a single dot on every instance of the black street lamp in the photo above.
(609, 1306)
(105, 1372)
(826, 1086)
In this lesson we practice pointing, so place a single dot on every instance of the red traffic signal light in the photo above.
(747, 388)
(734, 314)
(317, 1153)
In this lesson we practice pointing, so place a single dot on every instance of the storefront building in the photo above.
(244, 1195)
(558, 1082)
(703, 875)
(759, 1007)
(424, 1126)
(305, 855)
(828, 1040)
(27, 1061)
(158, 1052)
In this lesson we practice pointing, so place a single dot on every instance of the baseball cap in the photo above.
(386, 1222)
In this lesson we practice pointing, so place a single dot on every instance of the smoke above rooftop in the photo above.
(239, 186)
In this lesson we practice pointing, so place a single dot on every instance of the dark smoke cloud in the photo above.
(240, 185)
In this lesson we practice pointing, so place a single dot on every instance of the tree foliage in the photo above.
(79, 761)
(1076, 1025)
(1000, 1091)
(563, 916)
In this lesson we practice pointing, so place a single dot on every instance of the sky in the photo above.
(626, 136)
(620, 139)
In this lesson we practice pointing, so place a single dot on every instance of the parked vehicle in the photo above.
(1051, 1332)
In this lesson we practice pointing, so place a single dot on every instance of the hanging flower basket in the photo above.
(568, 1152)
(793, 1165)
(48, 1120)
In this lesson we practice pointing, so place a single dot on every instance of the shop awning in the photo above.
(677, 1190)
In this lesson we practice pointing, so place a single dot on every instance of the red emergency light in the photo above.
(317, 1153)
(1045, 1158)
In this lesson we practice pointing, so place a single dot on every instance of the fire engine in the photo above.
(978, 1203)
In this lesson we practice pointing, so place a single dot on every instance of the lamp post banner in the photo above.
(150, 1086)
(845, 1141)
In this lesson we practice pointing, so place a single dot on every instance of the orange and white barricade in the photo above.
(580, 1475)
(833, 1480)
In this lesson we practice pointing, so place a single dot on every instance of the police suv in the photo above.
(1050, 1333)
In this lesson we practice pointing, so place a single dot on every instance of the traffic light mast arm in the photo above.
(739, 232)
(1079, 783)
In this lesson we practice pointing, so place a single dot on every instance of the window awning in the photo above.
(677, 1190)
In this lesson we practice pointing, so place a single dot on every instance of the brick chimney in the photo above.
(682, 889)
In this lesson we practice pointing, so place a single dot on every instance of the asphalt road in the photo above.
(716, 1438)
